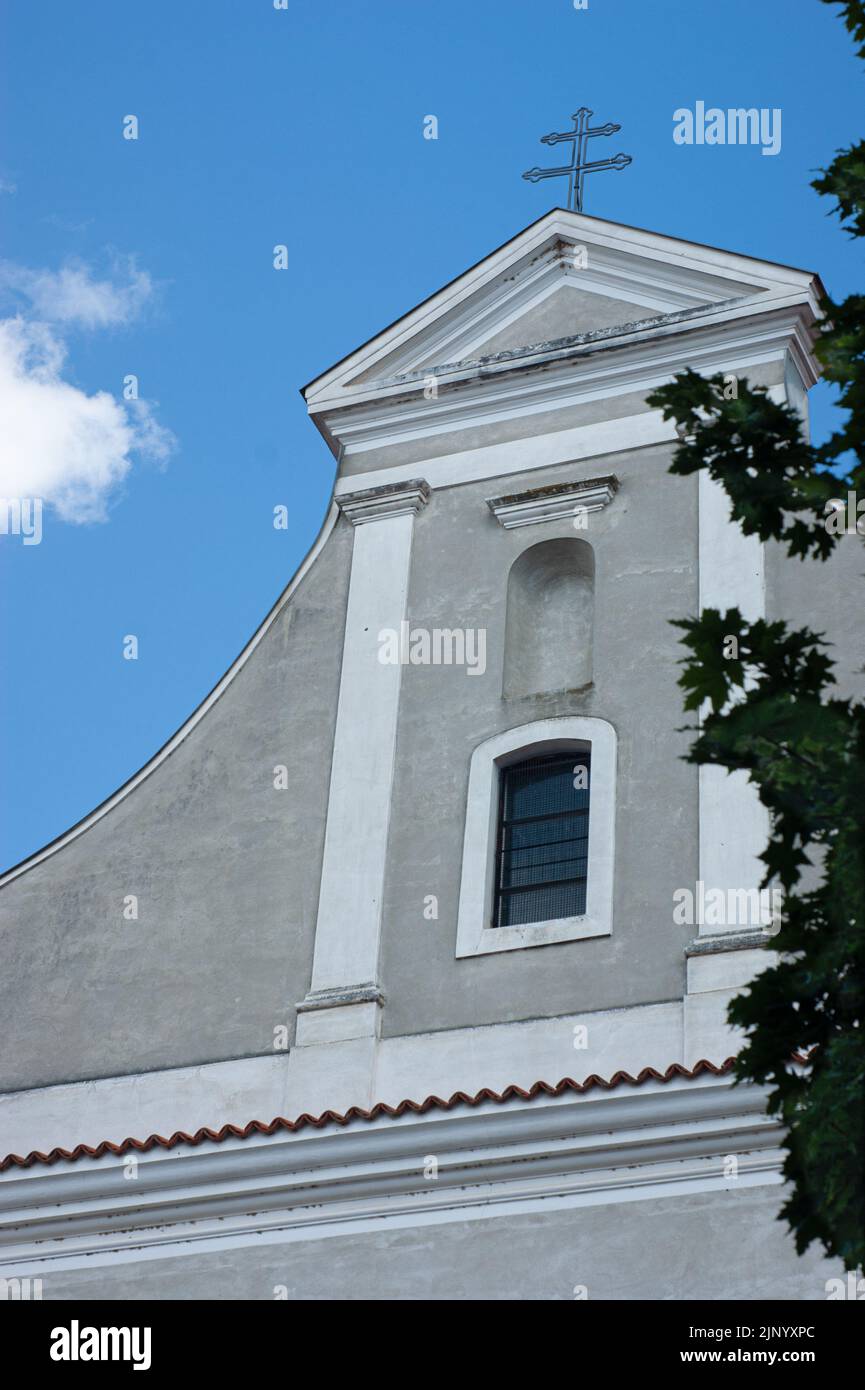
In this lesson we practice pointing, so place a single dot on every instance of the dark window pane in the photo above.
(542, 853)
(543, 904)
(534, 790)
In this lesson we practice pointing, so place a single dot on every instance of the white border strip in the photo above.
(475, 934)
(525, 455)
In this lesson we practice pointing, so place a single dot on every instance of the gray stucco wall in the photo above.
(225, 867)
(713, 1246)
(645, 546)
(584, 412)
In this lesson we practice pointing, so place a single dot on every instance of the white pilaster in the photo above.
(348, 928)
(734, 824)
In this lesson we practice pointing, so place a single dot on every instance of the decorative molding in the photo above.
(335, 998)
(388, 500)
(213, 1094)
(659, 271)
(584, 444)
(557, 503)
(727, 941)
(547, 377)
(657, 288)
(628, 1144)
(475, 935)
(612, 333)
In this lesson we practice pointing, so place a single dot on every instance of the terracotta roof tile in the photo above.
(332, 1117)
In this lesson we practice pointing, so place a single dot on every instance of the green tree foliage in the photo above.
(773, 712)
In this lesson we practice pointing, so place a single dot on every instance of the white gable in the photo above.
(561, 286)
(647, 275)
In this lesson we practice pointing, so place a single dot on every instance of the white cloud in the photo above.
(57, 442)
(73, 296)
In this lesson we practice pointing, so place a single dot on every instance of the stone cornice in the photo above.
(337, 998)
(659, 273)
(727, 941)
(561, 502)
(627, 1143)
(550, 377)
(649, 324)
(377, 503)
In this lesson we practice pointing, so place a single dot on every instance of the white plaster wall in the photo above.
(338, 1074)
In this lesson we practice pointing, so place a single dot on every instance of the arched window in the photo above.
(538, 849)
(550, 618)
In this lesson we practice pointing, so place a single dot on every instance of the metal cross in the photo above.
(579, 167)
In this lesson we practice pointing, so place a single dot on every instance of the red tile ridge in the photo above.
(356, 1112)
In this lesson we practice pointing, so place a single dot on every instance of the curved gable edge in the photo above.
(186, 728)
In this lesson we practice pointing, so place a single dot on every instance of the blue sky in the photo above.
(304, 126)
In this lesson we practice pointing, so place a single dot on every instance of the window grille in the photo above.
(543, 839)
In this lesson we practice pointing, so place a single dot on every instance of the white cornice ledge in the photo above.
(626, 1144)
(370, 993)
(391, 499)
(558, 503)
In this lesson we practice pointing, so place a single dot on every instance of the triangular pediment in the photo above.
(567, 276)
(561, 311)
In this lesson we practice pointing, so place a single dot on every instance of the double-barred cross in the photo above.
(576, 171)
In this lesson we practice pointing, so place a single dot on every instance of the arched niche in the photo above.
(550, 618)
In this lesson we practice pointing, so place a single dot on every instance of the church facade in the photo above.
(401, 971)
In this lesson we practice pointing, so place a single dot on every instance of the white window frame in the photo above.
(475, 934)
